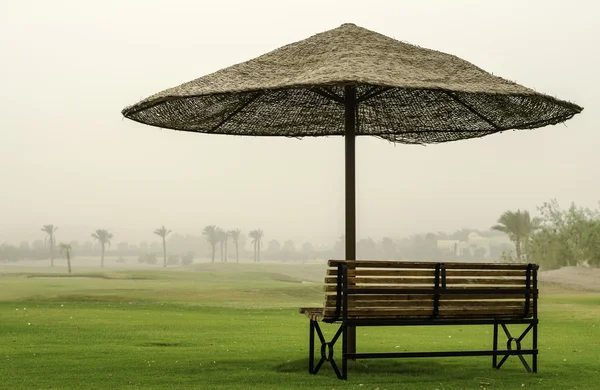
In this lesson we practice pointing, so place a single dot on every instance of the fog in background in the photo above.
(68, 158)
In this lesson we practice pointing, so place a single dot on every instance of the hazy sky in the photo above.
(68, 157)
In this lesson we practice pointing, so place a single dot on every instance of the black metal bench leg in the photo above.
(311, 348)
(333, 363)
(535, 348)
(517, 342)
(344, 352)
(315, 327)
(326, 350)
(495, 346)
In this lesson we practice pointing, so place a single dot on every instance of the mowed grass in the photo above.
(236, 326)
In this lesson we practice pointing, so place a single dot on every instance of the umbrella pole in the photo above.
(350, 138)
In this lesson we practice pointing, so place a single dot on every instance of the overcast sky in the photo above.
(69, 158)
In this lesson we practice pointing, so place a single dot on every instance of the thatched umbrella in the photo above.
(351, 81)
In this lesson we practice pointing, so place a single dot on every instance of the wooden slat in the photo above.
(383, 264)
(449, 290)
(314, 313)
(461, 303)
(421, 280)
(384, 272)
(485, 272)
(427, 311)
(408, 297)
(387, 297)
(497, 304)
(429, 265)
(442, 317)
(333, 287)
(430, 281)
(417, 272)
(487, 281)
(425, 302)
(424, 310)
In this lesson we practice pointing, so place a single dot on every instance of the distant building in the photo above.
(448, 245)
(474, 244)
(476, 241)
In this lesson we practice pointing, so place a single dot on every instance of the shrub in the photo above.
(173, 260)
(188, 258)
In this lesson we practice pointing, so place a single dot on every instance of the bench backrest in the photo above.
(402, 289)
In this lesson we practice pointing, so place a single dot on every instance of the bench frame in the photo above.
(530, 291)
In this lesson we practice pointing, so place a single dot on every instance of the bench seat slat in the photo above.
(442, 303)
(408, 297)
(314, 313)
(449, 290)
(428, 272)
(429, 280)
(427, 265)
(514, 312)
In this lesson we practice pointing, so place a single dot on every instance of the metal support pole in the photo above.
(350, 138)
(535, 317)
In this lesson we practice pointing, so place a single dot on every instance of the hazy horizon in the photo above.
(69, 158)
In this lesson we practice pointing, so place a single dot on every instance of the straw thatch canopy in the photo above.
(405, 94)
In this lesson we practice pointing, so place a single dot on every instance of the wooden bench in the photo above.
(399, 293)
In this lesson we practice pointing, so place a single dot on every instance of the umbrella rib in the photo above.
(328, 94)
(438, 131)
(372, 92)
(236, 111)
(129, 111)
(471, 109)
(553, 120)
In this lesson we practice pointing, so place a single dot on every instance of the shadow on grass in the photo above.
(406, 367)
(104, 296)
(164, 344)
(123, 275)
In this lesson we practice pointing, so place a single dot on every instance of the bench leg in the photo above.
(345, 350)
(311, 348)
(495, 347)
(326, 350)
(517, 341)
(535, 348)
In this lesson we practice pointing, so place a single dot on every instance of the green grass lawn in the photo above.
(236, 326)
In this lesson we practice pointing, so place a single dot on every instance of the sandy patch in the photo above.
(573, 278)
(65, 277)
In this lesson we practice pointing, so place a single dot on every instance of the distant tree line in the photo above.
(219, 244)
(558, 238)
(554, 239)
(218, 238)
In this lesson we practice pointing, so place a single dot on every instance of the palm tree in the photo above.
(211, 233)
(389, 248)
(50, 239)
(220, 239)
(256, 236)
(252, 235)
(224, 235)
(519, 226)
(66, 248)
(163, 232)
(235, 236)
(103, 237)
